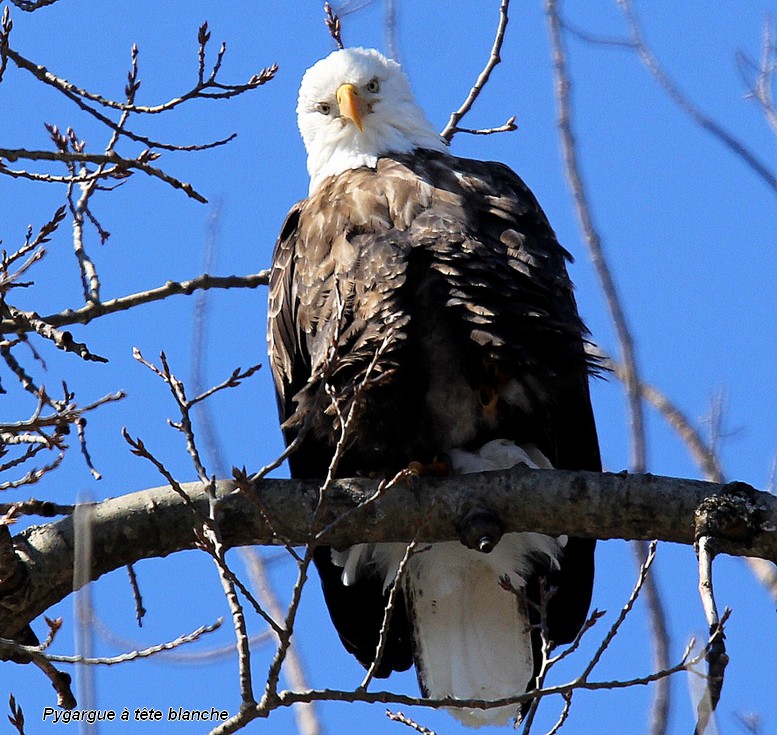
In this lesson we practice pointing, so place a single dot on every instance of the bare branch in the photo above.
(140, 610)
(717, 658)
(16, 718)
(29, 321)
(686, 663)
(594, 241)
(7, 646)
(87, 313)
(703, 121)
(6, 25)
(396, 586)
(332, 22)
(399, 717)
(157, 522)
(451, 128)
(209, 89)
(508, 127)
(117, 163)
(307, 720)
(629, 370)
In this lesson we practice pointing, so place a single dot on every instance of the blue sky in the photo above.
(689, 231)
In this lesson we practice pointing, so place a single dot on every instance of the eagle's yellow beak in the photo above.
(351, 105)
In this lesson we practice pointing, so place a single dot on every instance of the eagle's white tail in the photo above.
(471, 635)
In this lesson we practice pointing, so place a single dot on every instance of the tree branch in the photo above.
(93, 310)
(158, 522)
(494, 58)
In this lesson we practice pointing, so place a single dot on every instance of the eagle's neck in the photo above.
(352, 149)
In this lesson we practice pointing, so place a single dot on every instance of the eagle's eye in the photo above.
(373, 86)
(324, 108)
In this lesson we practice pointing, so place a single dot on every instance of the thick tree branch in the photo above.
(158, 522)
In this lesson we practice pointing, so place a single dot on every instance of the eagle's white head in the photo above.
(354, 106)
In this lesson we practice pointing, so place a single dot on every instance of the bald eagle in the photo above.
(423, 301)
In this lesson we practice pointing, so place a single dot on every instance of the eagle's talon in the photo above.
(441, 466)
(417, 469)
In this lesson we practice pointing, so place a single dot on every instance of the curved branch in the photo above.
(158, 522)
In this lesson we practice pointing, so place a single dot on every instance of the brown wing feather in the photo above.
(448, 269)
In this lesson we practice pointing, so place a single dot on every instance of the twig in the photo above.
(116, 162)
(87, 313)
(6, 25)
(16, 718)
(451, 128)
(396, 586)
(686, 662)
(702, 453)
(36, 654)
(643, 572)
(562, 718)
(630, 371)
(547, 662)
(212, 533)
(399, 717)
(233, 381)
(178, 656)
(647, 57)
(33, 475)
(717, 658)
(508, 127)
(307, 719)
(392, 45)
(209, 89)
(33, 431)
(209, 536)
(67, 412)
(593, 240)
(140, 610)
(29, 321)
(332, 22)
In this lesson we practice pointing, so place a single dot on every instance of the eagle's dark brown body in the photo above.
(437, 284)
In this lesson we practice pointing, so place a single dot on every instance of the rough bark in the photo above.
(37, 570)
